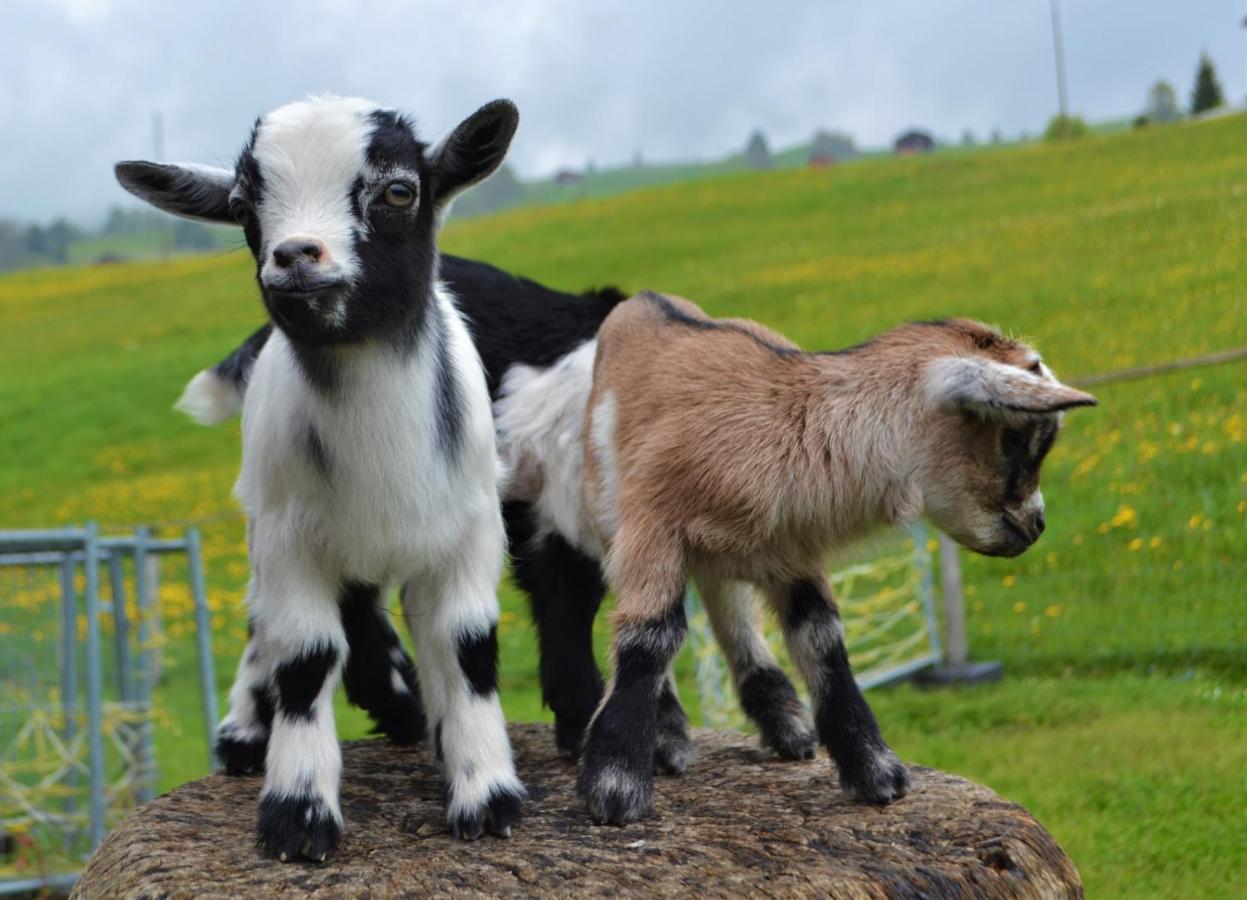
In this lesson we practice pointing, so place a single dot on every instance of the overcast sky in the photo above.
(594, 79)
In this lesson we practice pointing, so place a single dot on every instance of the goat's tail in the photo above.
(215, 394)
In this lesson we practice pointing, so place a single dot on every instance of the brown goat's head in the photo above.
(995, 411)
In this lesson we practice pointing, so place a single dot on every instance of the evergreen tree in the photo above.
(1207, 93)
(1162, 103)
(757, 153)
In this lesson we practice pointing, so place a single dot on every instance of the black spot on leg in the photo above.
(437, 742)
(263, 704)
(478, 658)
(299, 680)
(317, 453)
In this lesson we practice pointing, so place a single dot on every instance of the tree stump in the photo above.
(739, 822)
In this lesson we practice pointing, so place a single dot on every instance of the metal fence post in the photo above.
(147, 652)
(954, 601)
(203, 637)
(95, 692)
(69, 679)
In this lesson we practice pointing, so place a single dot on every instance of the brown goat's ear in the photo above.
(994, 390)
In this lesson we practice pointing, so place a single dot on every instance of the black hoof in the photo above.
(790, 736)
(294, 828)
(401, 719)
(672, 754)
(498, 816)
(569, 734)
(878, 776)
(616, 794)
(241, 757)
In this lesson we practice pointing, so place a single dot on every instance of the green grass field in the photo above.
(1122, 723)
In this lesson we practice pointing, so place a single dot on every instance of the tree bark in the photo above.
(739, 822)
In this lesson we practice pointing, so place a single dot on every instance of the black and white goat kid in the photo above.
(368, 459)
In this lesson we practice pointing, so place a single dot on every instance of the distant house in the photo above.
(567, 178)
(819, 160)
(914, 142)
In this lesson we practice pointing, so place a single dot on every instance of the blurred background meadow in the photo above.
(1113, 235)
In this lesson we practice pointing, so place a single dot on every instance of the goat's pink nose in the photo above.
(297, 250)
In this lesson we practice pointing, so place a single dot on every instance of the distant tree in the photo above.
(1207, 93)
(61, 234)
(831, 145)
(12, 245)
(188, 235)
(1162, 103)
(1063, 127)
(36, 240)
(757, 153)
(997, 137)
(967, 138)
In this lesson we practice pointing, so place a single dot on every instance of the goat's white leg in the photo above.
(242, 736)
(765, 692)
(846, 726)
(453, 616)
(299, 624)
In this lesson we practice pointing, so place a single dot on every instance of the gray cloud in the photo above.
(79, 79)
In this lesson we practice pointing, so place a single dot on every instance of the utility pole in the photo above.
(1059, 49)
(158, 155)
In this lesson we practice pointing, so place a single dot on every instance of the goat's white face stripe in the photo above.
(310, 156)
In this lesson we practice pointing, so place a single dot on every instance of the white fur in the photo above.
(310, 154)
(209, 399)
(539, 416)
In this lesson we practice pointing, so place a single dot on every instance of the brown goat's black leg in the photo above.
(846, 726)
(617, 775)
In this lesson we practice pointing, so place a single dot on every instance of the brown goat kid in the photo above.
(720, 451)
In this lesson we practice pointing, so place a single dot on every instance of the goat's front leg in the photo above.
(617, 774)
(242, 736)
(298, 623)
(453, 616)
(766, 694)
(846, 726)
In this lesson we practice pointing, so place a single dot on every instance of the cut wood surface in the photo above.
(739, 822)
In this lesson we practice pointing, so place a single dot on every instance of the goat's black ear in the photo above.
(474, 149)
(184, 189)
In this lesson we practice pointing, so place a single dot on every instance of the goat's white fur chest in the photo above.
(382, 499)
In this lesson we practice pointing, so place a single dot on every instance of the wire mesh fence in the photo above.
(888, 606)
(80, 640)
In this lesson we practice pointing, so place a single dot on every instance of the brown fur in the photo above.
(739, 456)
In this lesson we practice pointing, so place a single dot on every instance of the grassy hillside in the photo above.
(1123, 720)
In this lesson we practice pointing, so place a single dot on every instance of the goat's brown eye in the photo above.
(240, 211)
(399, 194)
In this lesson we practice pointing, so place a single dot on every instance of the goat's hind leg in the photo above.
(242, 736)
(565, 589)
(379, 676)
(846, 726)
(673, 748)
(299, 620)
(765, 692)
